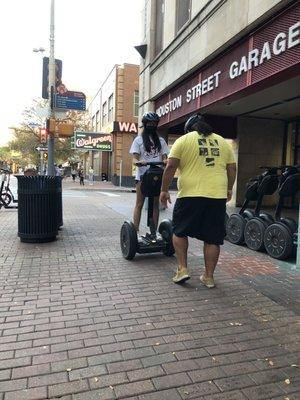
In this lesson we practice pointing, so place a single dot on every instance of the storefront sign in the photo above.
(282, 42)
(273, 48)
(93, 141)
(126, 127)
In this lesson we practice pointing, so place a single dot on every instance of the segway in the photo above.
(152, 242)
(255, 226)
(236, 223)
(281, 236)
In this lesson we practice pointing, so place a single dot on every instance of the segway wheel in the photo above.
(278, 241)
(166, 231)
(128, 240)
(254, 234)
(235, 229)
(6, 198)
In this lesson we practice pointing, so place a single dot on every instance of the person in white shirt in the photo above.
(73, 173)
(91, 175)
(58, 170)
(145, 148)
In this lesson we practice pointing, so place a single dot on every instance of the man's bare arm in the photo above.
(169, 173)
(231, 175)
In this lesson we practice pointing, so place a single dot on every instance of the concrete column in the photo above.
(298, 249)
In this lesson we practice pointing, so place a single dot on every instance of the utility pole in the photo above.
(51, 89)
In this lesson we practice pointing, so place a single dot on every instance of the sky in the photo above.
(91, 36)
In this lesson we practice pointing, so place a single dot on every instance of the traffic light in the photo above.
(43, 135)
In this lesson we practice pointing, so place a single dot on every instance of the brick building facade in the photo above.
(114, 110)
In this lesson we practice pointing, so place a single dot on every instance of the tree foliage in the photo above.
(25, 141)
(4, 156)
(26, 135)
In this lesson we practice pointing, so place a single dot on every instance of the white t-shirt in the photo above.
(58, 171)
(138, 147)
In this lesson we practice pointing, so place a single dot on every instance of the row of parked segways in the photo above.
(153, 241)
(260, 230)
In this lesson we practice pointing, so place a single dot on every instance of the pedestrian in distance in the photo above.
(73, 173)
(145, 148)
(81, 177)
(30, 172)
(58, 169)
(91, 175)
(207, 172)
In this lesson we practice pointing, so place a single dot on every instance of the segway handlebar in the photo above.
(289, 167)
(151, 163)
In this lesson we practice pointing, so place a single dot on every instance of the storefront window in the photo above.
(110, 108)
(183, 12)
(97, 121)
(136, 103)
(104, 114)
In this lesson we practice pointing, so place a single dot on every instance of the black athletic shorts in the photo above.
(200, 217)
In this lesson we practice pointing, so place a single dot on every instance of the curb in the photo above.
(128, 190)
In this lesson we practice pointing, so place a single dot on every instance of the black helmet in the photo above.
(150, 117)
(191, 122)
(197, 123)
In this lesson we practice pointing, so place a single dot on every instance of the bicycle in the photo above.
(6, 195)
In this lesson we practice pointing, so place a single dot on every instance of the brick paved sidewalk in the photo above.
(68, 184)
(80, 322)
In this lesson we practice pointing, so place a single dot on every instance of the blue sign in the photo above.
(70, 101)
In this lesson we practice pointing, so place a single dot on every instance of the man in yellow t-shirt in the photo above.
(207, 171)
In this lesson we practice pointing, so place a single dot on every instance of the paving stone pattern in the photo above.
(80, 322)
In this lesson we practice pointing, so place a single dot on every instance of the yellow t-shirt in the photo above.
(202, 167)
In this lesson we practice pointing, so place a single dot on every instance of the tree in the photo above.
(4, 156)
(26, 136)
(25, 141)
(4, 153)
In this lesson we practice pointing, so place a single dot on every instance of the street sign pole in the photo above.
(41, 163)
(51, 170)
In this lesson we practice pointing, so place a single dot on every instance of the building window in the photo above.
(159, 25)
(136, 103)
(93, 122)
(104, 114)
(110, 108)
(183, 13)
(97, 121)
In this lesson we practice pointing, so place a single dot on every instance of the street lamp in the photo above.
(38, 50)
(51, 88)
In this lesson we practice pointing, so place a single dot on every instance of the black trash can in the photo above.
(38, 208)
(58, 186)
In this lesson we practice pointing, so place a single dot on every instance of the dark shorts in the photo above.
(201, 218)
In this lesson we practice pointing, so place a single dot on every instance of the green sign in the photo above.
(92, 141)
